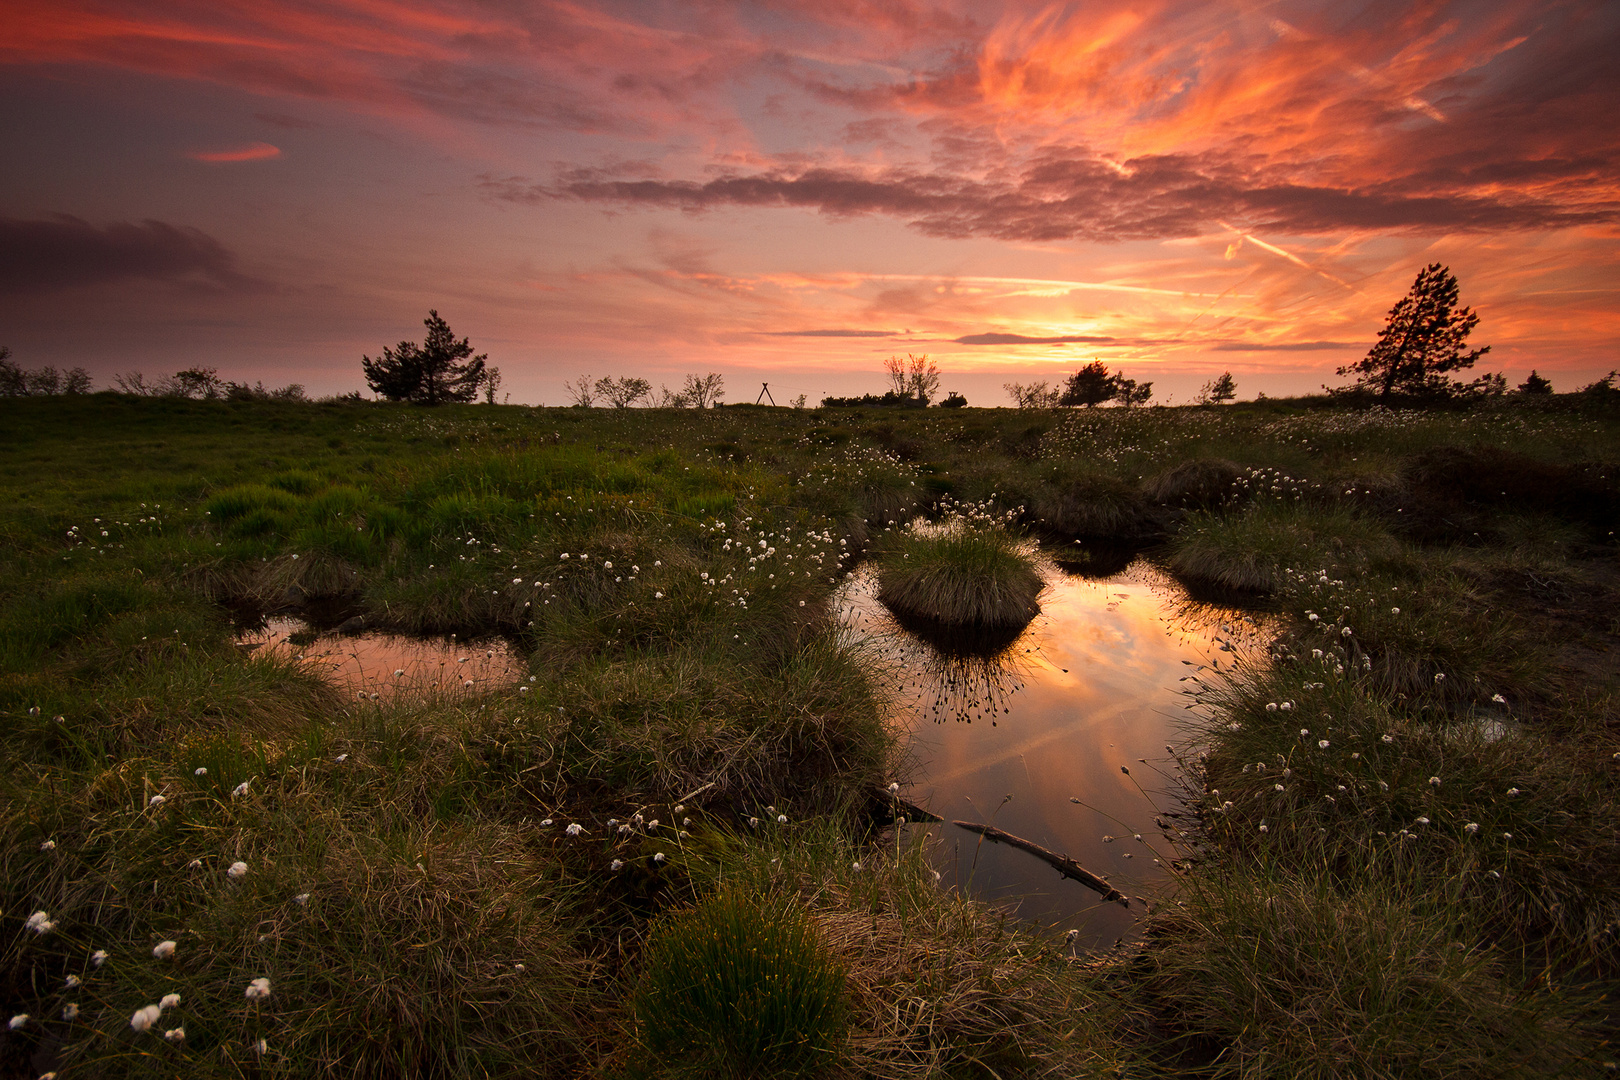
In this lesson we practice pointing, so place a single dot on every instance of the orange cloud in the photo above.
(259, 151)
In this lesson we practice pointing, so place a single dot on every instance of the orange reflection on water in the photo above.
(388, 665)
(1092, 685)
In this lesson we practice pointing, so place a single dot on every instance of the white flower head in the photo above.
(658, 858)
(574, 828)
(341, 758)
(616, 864)
(40, 923)
(201, 770)
(1322, 744)
(1434, 781)
(260, 1046)
(258, 989)
(240, 790)
(70, 1011)
(145, 1017)
(237, 869)
(169, 1001)
(163, 950)
(894, 788)
(174, 1035)
(1471, 828)
(1512, 792)
(48, 845)
(157, 800)
(18, 1021)
(781, 819)
(72, 981)
(99, 957)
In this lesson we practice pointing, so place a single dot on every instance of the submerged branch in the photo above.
(1061, 863)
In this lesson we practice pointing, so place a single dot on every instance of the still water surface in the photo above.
(366, 663)
(1093, 684)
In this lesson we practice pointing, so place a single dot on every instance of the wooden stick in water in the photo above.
(1061, 863)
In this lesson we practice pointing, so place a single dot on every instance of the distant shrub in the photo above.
(39, 382)
(740, 985)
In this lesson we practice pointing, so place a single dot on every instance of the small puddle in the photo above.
(1093, 684)
(387, 665)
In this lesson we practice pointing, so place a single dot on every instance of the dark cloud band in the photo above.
(64, 252)
(1077, 197)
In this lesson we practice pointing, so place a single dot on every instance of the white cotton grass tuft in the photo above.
(237, 870)
(201, 770)
(70, 1012)
(99, 957)
(169, 1001)
(574, 828)
(175, 1034)
(156, 800)
(48, 845)
(19, 1021)
(240, 790)
(40, 923)
(163, 950)
(145, 1017)
(258, 989)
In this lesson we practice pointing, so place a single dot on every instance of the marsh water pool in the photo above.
(1034, 739)
(386, 665)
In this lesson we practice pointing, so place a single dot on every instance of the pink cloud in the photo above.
(259, 151)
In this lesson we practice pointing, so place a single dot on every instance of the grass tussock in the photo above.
(937, 985)
(960, 575)
(1296, 974)
(1205, 484)
(740, 985)
(1258, 550)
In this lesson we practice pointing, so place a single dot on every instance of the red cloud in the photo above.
(258, 151)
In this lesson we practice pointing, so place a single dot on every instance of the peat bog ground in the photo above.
(1398, 851)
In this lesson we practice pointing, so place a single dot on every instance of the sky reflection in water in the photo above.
(1093, 684)
(365, 663)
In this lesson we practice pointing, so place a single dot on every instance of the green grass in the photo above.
(416, 899)
(740, 985)
(963, 574)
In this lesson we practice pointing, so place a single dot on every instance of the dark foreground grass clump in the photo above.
(740, 985)
(960, 576)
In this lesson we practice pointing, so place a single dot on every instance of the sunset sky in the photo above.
(792, 191)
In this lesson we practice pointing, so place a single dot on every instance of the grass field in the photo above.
(1404, 830)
